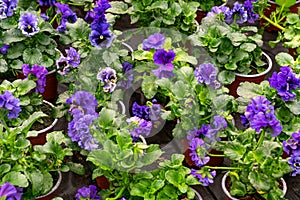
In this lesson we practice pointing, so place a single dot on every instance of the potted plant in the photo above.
(23, 165)
(235, 50)
(179, 15)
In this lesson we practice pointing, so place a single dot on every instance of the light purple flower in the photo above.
(203, 177)
(285, 82)
(83, 101)
(28, 24)
(238, 14)
(7, 8)
(62, 65)
(294, 162)
(87, 193)
(141, 111)
(164, 71)
(195, 133)
(73, 57)
(11, 104)
(217, 10)
(109, 77)
(126, 67)
(198, 152)
(207, 73)
(36, 73)
(292, 145)
(10, 192)
(47, 2)
(4, 49)
(143, 127)
(155, 41)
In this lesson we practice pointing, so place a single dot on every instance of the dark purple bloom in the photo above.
(67, 14)
(244, 121)
(217, 10)
(62, 65)
(78, 131)
(83, 101)
(292, 145)
(4, 48)
(143, 129)
(28, 24)
(36, 73)
(73, 57)
(164, 71)
(47, 2)
(126, 67)
(155, 41)
(238, 14)
(207, 73)
(101, 35)
(252, 17)
(7, 8)
(123, 198)
(44, 16)
(260, 114)
(198, 152)
(87, 193)
(285, 82)
(97, 14)
(11, 104)
(218, 124)
(163, 57)
(126, 82)
(10, 192)
(155, 111)
(204, 177)
(102, 5)
(294, 162)
(197, 133)
(141, 111)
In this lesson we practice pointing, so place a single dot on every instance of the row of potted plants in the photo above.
(127, 86)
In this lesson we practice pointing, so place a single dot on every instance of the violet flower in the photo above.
(155, 112)
(164, 71)
(126, 67)
(294, 162)
(252, 17)
(155, 41)
(83, 101)
(73, 57)
(217, 10)
(260, 114)
(62, 65)
(101, 36)
(7, 8)
(205, 178)
(163, 57)
(292, 145)
(195, 133)
(37, 73)
(141, 111)
(28, 24)
(67, 16)
(10, 192)
(10, 104)
(87, 193)
(109, 77)
(47, 2)
(238, 14)
(198, 152)
(4, 49)
(143, 129)
(285, 82)
(207, 73)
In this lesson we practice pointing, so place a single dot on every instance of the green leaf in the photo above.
(226, 77)
(43, 39)
(26, 125)
(249, 47)
(285, 3)
(76, 168)
(15, 50)
(158, 5)
(24, 86)
(36, 178)
(32, 56)
(4, 168)
(234, 150)
(292, 18)
(238, 189)
(16, 178)
(149, 87)
(294, 106)
(156, 185)
(47, 183)
(12, 35)
(260, 181)
(3, 66)
(284, 59)
(179, 89)
(16, 64)
(106, 117)
(118, 7)
(22, 143)
(79, 29)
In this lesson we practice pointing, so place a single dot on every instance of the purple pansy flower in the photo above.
(126, 67)
(260, 114)
(28, 24)
(252, 17)
(285, 82)
(207, 73)
(7, 8)
(83, 101)
(11, 104)
(10, 192)
(237, 14)
(109, 77)
(4, 49)
(62, 65)
(163, 57)
(292, 145)
(67, 16)
(73, 57)
(155, 41)
(39, 73)
(294, 162)
(164, 71)
(141, 111)
(198, 152)
(143, 129)
(217, 10)
(195, 133)
(87, 193)
(155, 111)
(47, 2)
(205, 178)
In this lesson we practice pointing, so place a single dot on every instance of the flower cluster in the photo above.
(67, 16)
(285, 82)
(28, 24)
(240, 13)
(260, 114)
(87, 193)
(83, 105)
(7, 8)
(207, 73)
(36, 73)
(72, 59)
(143, 127)
(204, 176)
(108, 76)
(100, 35)
(161, 57)
(292, 147)
(11, 104)
(141, 111)
(10, 192)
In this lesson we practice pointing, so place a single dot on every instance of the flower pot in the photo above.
(50, 194)
(50, 92)
(253, 78)
(197, 195)
(102, 182)
(229, 197)
(40, 139)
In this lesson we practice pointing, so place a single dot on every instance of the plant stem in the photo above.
(52, 20)
(227, 168)
(118, 195)
(261, 139)
(215, 155)
(4, 123)
(271, 22)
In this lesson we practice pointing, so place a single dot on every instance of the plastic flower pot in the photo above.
(50, 194)
(253, 78)
(197, 195)
(40, 139)
(229, 197)
(50, 92)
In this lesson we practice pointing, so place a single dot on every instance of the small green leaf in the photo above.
(16, 178)
(234, 150)
(149, 87)
(260, 181)
(32, 56)
(3, 66)
(284, 59)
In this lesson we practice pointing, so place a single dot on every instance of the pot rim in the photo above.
(197, 194)
(270, 64)
(53, 123)
(54, 187)
(229, 196)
